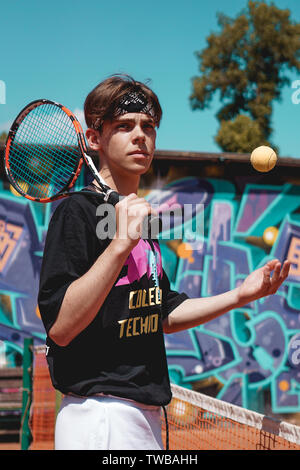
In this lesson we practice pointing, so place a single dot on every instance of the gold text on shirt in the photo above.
(136, 326)
(145, 297)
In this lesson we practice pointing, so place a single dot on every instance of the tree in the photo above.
(3, 136)
(247, 63)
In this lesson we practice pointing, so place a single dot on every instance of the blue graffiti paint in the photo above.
(248, 350)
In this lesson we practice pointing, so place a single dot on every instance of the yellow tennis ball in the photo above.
(263, 158)
(270, 235)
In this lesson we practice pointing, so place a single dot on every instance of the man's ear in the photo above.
(93, 138)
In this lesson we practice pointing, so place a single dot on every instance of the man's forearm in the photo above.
(194, 312)
(85, 296)
(258, 284)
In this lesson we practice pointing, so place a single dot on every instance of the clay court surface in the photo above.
(9, 446)
(201, 440)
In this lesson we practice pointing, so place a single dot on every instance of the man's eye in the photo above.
(149, 126)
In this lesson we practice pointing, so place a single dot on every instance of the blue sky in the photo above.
(61, 49)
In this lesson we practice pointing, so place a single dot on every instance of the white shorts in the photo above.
(107, 423)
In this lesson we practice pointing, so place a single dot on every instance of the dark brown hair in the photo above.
(101, 102)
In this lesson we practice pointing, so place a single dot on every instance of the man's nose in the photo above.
(138, 134)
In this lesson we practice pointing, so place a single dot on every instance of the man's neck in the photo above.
(124, 185)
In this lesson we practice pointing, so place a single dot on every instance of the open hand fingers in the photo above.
(280, 273)
(276, 272)
(264, 281)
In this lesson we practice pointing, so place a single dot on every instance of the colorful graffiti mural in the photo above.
(23, 226)
(253, 349)
(246, 352)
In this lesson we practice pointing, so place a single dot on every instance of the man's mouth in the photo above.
(139, 152)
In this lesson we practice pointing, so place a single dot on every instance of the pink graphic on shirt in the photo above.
(139, 263)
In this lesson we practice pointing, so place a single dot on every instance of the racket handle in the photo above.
(111, 197)
(152, 224)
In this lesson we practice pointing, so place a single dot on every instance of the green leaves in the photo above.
(246, 63)
(242, 133)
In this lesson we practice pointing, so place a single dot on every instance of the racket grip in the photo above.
(154, 227)
(112, 197)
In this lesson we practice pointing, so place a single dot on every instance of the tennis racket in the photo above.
(44, 154)
(45, 151)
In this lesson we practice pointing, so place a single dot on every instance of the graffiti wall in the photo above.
(244, 356)
(23, 227)
(257, 347)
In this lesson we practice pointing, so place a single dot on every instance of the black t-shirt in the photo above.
(122, 350)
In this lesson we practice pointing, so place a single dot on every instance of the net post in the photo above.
(26, 436)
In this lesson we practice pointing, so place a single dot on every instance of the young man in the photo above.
(106, 303)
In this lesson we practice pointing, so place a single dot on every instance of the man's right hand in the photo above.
(131, 212)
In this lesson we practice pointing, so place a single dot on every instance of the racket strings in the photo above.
(44, 165)
(24, 178)
(39, 172)
(43, 129)
(44, 153)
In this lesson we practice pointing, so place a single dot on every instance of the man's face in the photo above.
(127, 144)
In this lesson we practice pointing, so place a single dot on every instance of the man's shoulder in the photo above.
(79, 200)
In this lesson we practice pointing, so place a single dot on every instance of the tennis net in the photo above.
(195, 421)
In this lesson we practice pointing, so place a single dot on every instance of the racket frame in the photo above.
(85, 158)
